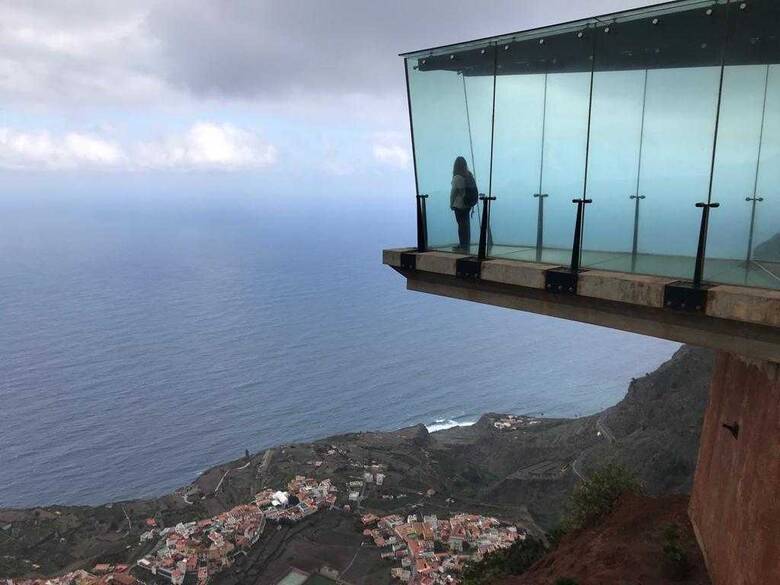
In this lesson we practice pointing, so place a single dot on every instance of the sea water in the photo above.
(145, 339)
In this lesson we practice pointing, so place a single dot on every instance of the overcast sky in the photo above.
(289, 92)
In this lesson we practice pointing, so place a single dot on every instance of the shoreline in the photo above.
(437, 426)
(518, 469)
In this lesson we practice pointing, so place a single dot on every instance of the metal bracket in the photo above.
(484, 227)
(561, 280)
(409, 260)
(468, 267)
(686, 296)
(422, 224)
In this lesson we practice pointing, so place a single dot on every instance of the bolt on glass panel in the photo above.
(451, 97)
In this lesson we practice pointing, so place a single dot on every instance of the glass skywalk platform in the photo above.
(665, 120)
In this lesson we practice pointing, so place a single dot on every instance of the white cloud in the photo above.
(206, 145)
(391, 149)
(42, 151)
(209, 146)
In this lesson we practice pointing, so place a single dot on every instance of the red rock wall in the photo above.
(735, 504)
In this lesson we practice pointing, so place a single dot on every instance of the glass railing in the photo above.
(646, 113)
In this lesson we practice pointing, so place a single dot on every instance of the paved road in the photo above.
(129, 524)
(244, 466)
(602, 427)
(575, 467)
(266, 461)
(349, 566)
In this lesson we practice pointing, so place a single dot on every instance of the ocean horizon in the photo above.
(147, 339)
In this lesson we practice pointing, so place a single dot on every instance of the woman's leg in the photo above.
(464, 227)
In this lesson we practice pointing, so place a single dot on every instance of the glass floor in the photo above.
(760, 273)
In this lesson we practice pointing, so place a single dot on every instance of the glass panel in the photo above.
(614, 167)
(677, 153)
(517, 151)
(563, 170)
(656, 82)
(766, 238)
(740, 248)
(452, 107)
(736, 160)
(542, 101)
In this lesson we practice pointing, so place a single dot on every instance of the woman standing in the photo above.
(463, 196)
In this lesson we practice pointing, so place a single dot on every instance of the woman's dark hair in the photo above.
(460, 167)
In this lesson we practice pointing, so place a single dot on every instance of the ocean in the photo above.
(144, 339)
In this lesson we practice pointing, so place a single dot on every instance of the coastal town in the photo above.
(425, 549)
(433, 551)
(195, 552)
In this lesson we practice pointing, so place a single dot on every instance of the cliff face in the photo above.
(734, 505)
(655, 429)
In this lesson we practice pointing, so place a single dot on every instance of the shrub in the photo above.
(596, 496)
(675, 556)
(514, 560)
(555, 535)
(565, 581)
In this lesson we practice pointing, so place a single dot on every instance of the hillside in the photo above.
(626, 548)
(519, 469)
(656, 427)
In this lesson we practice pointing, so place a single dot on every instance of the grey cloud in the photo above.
(272, 49)
(272, 52)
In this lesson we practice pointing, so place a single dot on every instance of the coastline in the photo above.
(518, 469)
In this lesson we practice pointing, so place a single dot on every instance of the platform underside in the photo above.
(739, 319)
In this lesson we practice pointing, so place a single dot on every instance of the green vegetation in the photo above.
(596, 496)
(514, 560)
(590, 500)
(555, 535)
(676, 559)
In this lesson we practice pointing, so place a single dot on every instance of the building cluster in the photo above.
(433, 551)
(512, 422)
(102, 574)
(371, 475)
(304, 497)
(195, 551)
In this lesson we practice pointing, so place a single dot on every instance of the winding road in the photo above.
(604, 430)
(219, 485)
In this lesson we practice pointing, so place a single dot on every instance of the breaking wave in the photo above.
(444, 424)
